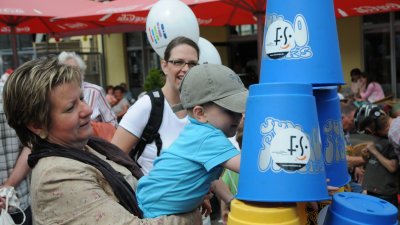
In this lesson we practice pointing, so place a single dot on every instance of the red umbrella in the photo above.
(221, 12)
(208, 12)
(237, 12)
(123, 11)
(36, 16)
(346, 8)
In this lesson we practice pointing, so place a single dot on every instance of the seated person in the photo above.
(380, 178)
(370, 91)
(121, 105)
(355, 75)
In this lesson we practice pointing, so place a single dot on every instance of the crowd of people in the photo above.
(72, 173)
(371, 128)
(66, 173)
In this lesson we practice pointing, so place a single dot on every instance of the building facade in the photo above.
(371, 43)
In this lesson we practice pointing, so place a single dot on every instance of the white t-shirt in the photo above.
(135, 120)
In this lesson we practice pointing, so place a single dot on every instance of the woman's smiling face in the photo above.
(175, 73)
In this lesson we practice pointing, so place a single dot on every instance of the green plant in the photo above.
(154, 79)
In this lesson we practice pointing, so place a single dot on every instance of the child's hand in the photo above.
(372, 148)
(206, 208)
(368, 150)
(365, 154)
(332, 190)
(359, 174)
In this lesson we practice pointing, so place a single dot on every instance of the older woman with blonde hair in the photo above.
(76, 179)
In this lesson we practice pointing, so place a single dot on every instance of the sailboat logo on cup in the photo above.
(286, 40)
(286, 147)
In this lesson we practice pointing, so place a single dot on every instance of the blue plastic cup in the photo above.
(301, 43)
(358, 209)
(332, 136)
(281, 155)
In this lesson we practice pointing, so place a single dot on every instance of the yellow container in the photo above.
(245, 213)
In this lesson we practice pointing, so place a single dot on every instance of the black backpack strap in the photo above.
(150, 132)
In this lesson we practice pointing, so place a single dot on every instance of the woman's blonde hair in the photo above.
(27, 95)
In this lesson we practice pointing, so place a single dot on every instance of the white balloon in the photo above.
(167, 20)
(208, 53)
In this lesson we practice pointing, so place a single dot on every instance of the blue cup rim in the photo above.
(362, 209)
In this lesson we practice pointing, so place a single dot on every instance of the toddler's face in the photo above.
(223, 119)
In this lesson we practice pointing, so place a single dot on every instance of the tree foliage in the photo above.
(154, 79)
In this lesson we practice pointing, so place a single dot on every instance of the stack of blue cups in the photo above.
(359, 209)
(332, 135)
(282, 159)
(293, 108)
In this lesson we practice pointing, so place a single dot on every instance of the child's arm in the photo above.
(221, 190)
(353, 161)
(233, 163)
(224, 212)
(390, 164)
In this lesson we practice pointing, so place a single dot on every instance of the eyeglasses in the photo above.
(181, 63)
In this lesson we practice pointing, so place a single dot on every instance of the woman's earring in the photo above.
(43, 135)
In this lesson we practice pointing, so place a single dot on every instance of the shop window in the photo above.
(134, 39)
(24, 48)
(376, 19)
(244, 30)
(381, 44)
(377, 57)
(141, 59)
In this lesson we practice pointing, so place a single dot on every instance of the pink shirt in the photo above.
(394, 135)
(373, 92)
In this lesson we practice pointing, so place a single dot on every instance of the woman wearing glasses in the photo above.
(180, 55)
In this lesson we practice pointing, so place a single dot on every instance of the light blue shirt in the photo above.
(183, 173)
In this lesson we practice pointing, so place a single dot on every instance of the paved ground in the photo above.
(215, 222)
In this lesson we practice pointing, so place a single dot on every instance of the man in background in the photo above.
(94, 95)
(353, 162)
